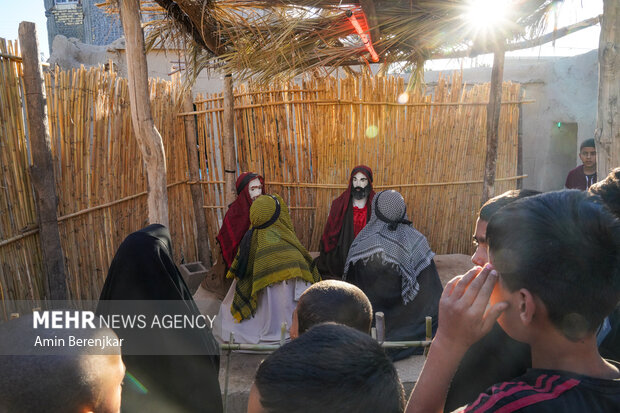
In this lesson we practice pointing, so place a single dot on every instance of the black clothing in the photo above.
(550, 391)
(495, 358)
(143, 269)
(383, 286)
(331, 264)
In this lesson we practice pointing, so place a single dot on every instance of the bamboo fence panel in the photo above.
(20, 254)
(100, 178)
(305, 138)
(98, 162)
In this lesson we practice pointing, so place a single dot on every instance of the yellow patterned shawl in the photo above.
(274, 254)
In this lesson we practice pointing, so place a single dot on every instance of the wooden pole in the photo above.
(493, 111)
(42, 169)
(202, 237)
(149, 140)
(230, 162)
(607, 134)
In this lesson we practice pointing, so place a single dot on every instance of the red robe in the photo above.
(237, 219)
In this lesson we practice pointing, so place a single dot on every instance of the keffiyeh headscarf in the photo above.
(269, 253)
(390, 235)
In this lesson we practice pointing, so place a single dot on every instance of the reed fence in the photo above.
(303, 137)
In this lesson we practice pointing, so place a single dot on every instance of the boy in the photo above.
(584, 175)
(330, 368)
(557, 259)
(332, 301)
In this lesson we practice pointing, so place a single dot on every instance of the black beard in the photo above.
(360, 193)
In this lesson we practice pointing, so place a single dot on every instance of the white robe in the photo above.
(275, 305)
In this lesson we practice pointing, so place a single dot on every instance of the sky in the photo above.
(570, 11)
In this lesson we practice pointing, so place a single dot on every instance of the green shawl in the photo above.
(270, 253)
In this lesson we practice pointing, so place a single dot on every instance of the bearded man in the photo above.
(348, 215)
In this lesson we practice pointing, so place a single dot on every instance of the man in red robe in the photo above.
(236, 223)
(349, 213)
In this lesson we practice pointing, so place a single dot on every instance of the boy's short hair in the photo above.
(62, 379)
(609, 191)
(588, 143)
(335, 301)
(494, 204)
(330, 368)
(564, 248)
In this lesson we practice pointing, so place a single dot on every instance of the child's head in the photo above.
(609, 191)
(332, 301)
(54, 376)
(564, 249)
(487, 210)
(330, 368)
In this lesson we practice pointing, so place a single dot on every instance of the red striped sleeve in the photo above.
(545, 388)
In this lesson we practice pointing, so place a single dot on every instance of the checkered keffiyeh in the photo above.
(390, 235)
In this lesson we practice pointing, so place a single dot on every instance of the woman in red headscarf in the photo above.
(236, 223)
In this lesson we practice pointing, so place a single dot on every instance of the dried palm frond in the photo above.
(271, 39)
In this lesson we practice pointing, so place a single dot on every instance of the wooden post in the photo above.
(607, 134)
(42, 169)
(493, 111)
(202, 239)
(149, 139)
(230, 163)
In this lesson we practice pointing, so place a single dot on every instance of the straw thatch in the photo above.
(270, 38)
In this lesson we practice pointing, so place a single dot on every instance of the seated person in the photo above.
(348, 214)
(553, 276)
(235, 224)
(496, 357)
(330, 368)
(608, 336)
(167, 363)
(332, 301)
(59, 379)
(270, 272)
(393, 264)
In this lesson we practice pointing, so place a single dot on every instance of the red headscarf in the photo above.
(329, 240)
(237, 219)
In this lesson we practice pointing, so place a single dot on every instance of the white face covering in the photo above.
(255, 188)
(358, 192)
(359, 179)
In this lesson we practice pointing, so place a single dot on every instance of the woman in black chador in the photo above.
(168, 369)
(393, 264)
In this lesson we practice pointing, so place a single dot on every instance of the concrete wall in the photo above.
(565, 90)
(82, 20)
(71, 53)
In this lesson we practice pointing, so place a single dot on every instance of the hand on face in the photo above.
(463, 314)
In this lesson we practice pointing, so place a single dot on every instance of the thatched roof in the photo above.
(274, 38)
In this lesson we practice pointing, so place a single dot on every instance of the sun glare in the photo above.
(486, 13)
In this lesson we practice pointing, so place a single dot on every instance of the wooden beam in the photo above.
(493, 111)
(149, 140)
(368, 6)
(183, 19)
(191, 140)
(230, 163)
(199, 15)
(607, 133)
(42, 169)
